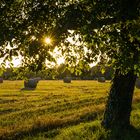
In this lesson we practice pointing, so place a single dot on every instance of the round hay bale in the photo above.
(25, 84)
(67, 79)
(31, 83)
(137, 84)
(101, 79)
(1, 80)
(37, 79)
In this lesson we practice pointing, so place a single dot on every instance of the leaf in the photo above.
(15, 53)
(103, 70)
(135, 67)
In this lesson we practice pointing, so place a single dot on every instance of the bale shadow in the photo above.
(24, 89)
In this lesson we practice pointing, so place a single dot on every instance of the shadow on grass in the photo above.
(130, 133)
(51, 130)
(24, 89)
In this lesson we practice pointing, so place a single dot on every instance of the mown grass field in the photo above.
(59, 111)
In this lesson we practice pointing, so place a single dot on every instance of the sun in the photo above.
(48, 40)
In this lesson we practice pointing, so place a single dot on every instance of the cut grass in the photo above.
(56, 110)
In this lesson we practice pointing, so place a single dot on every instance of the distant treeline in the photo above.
(58, 73)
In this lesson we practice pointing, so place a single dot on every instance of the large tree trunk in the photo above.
(118, 108)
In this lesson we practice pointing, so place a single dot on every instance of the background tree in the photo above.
(109, 30)
(97, 71)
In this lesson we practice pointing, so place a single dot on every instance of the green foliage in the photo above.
(84, 72)
(103, 28)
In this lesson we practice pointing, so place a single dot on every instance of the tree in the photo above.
(97, 71)
(110, 30)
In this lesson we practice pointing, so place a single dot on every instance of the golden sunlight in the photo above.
(48, 40)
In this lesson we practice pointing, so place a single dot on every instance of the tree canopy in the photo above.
(108, 29)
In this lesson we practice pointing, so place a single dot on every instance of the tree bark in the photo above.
(119, 104)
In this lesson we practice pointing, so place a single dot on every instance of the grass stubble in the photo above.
(59, 111)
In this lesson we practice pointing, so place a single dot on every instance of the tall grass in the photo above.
(56, 110)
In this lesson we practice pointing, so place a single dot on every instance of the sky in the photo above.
(56, 53)
(17, 60)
